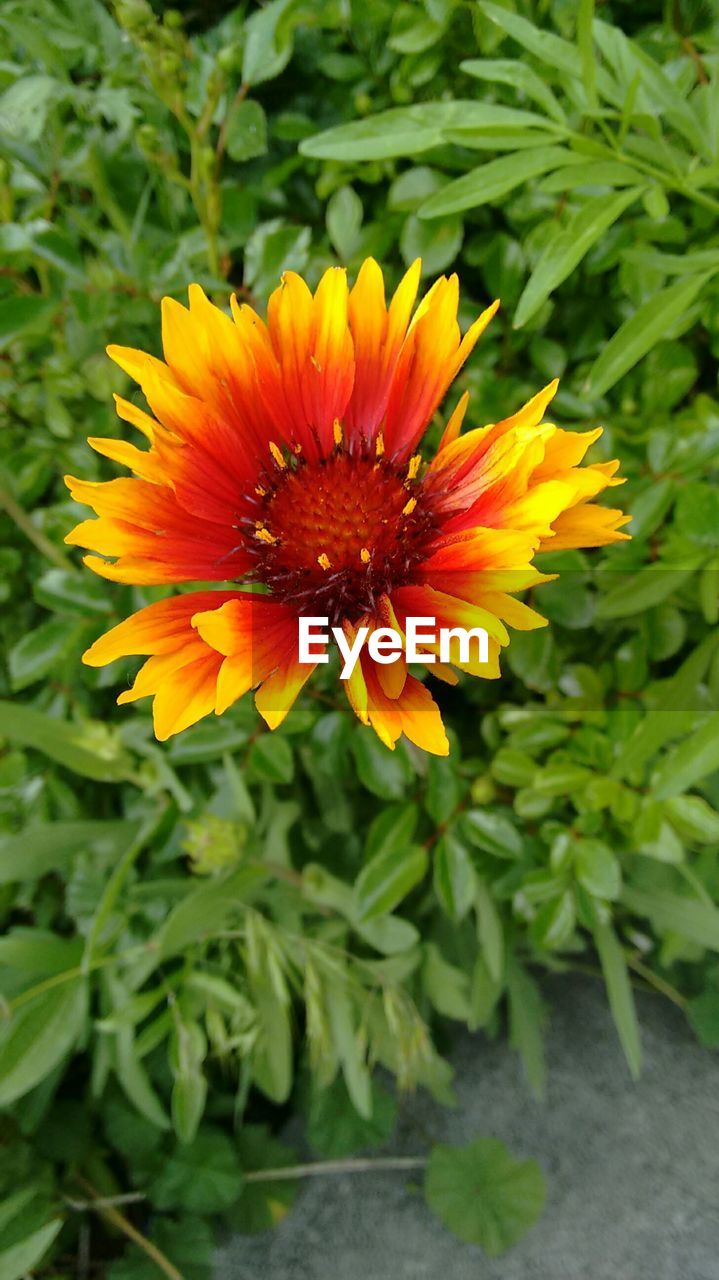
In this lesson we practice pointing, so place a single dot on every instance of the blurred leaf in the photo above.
(268, 42)
(47, 847)
(203, 1176)
(72, 745)
(39, 1036)
(703, 1014)
(335, 1129)
(691, 918)
(344, 222)
(518, 75)
(262, 1205)
(492, 832)
(483, 1194)
(454, 879)
(692, 760)
(526, 1018)
(619, 992)
(246, 131)
(20, 1259)
(387, 878)
(598, 869)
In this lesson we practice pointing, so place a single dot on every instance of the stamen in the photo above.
(379, 444)
(277, 455)
(261, 493)
(264, 535)
(324, 562)
(413, 467)
(364, 556)
(337, 432)
(409, 507)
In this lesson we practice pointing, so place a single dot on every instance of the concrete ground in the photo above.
(632, 1170)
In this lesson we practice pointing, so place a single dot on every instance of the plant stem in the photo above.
(11, 507)
(659, 984)
(123, 1224)
(115, 883)
(68, 975)
(320, 1168)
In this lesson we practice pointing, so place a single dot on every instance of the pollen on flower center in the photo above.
(334, 535)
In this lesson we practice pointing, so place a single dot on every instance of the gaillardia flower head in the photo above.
(283, 463)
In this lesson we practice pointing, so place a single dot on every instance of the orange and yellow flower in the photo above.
(282, 461)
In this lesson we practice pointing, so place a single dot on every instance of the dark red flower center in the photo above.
(332, 536)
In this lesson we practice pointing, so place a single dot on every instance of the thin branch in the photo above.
(239, 97)
(123, 1224)
(11, 507)
(319, 1168)
(659, 984)
(105, 1202)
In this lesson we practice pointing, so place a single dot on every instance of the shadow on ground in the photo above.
(632, 1170)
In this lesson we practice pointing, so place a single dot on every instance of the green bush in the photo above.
(234, 917)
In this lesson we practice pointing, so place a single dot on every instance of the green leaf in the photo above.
(344, 221)
(203, 1176)
(383, 772)
(493, 180)
(565, 250)
(553, 925)
(88, 749)
(206, 909)
(22, 1258)
(39, 951)
(597, 869)
(23, 312)
(489, 930)
(619, 993)
(693, 819)
(483, 1194)
(387, 878)
(40, 849)
(446, 985)
(453, 876)
(691, 918)
(586, 50)
(526, 1018)
(550, 49)
(336, 1129)
(407, 131)
(24, 106)
(39, 651)
(436, 244)
(135, 1080)
(641, 332)
(39, 1036)
(492, 832)
(186, 1241)
(637, 592)
(519, 75)
(268, 42)
(262, 1205)
(393, 828)
(246, 131)
(66, 591)
(703, 1014)
(694, 759)
(271, 759)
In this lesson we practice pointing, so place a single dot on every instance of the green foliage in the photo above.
(203, 932)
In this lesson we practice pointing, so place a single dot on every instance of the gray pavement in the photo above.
(632, 1169)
